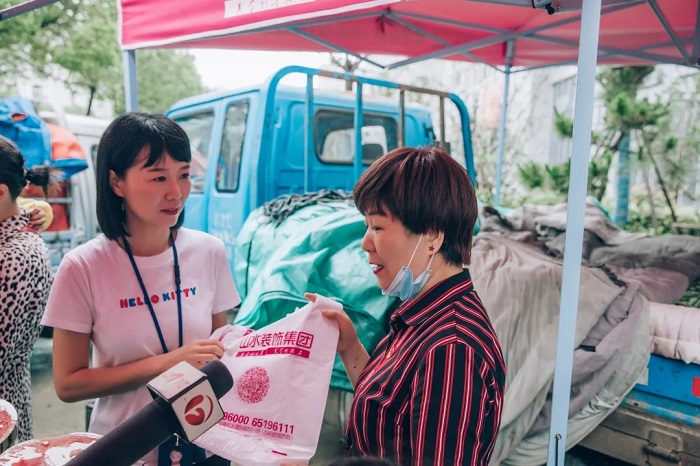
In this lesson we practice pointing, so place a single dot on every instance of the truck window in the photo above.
(335, 136)
(229, 163)
(198, 128)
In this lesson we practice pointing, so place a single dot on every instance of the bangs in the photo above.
(374, 195)
(369, 205)
(160, 144)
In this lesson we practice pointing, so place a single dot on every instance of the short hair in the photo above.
(119, 147)
(14, 175)
(427, 191)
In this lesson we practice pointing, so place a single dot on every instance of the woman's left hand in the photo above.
(37, 217)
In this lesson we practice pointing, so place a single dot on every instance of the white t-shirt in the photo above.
(96, 291)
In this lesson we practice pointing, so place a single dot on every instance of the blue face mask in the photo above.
(404, 286)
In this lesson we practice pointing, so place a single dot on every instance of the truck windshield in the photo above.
(335, 136)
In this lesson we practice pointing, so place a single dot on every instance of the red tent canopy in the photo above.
(632, 31)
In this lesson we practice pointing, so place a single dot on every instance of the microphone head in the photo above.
(219, 377)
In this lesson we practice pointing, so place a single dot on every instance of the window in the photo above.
(198, 128)
(93, 155)
(229, 163)
(335, 136)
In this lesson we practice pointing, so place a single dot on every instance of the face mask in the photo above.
(403, 286)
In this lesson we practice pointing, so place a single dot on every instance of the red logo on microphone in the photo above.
(198, 410)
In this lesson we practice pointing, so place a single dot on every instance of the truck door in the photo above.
(198, 123)
(229, 191)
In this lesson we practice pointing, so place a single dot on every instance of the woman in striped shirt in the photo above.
(432, 390)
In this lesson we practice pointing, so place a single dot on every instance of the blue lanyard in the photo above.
(146, 296)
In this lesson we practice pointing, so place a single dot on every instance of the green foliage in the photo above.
(555, 178)
(81, 38)
(163, 76)
(558, 177)
(598, 170)
(666, 145)
(691, 298)
(27, 39)
(531, 175)
(563, 125)
(623, 80)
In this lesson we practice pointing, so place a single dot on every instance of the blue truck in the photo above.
(252, 145)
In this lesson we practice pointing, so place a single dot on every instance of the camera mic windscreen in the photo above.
(147, 429)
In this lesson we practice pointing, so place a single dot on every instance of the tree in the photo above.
(164, 77)
(27, 39)
(90, 54)
(87, 49)
(347, 63)
(665, 144)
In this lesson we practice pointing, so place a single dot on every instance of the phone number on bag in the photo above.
(258, 423)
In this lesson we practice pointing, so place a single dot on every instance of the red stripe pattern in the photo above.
(432, 392)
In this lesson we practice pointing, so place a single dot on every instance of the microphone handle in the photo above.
(131, 440)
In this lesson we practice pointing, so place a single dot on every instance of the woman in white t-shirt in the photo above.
(147, 293)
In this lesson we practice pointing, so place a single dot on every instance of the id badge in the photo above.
(177, 452)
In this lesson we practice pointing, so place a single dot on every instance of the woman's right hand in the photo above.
(198, 352)
(348, 335)
(350, 349)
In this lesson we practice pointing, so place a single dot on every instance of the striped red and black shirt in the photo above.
(432, 392)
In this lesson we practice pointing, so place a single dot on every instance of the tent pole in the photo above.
(502, 125)
(309, 149)
(25, 7)
(578, 183)
(131, 90)
(623, 182)
(358, 124)
(402, 118)
(696, 40)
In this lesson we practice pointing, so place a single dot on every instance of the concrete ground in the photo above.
(51, 415)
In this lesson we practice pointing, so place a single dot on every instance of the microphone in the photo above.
(158, 420)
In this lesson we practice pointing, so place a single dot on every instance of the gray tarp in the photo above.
(318, 249)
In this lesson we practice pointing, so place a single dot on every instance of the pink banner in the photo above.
(152, 23)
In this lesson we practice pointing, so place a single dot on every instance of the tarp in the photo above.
(317, 249)
(41, 143)
(631, 31)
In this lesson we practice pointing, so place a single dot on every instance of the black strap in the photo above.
(146, 296)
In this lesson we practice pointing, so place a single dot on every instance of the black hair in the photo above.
(13, 173)
(426, 190)
(118, 150)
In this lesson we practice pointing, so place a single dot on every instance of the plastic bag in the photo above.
(281, 375)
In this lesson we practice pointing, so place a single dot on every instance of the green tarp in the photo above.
(316, 249)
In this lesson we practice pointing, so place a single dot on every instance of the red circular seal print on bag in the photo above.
(198, 410)
(253, 385)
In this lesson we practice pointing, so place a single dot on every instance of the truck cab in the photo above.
(252, 145)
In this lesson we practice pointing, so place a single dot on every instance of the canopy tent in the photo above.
(545, 33)
(632, 31)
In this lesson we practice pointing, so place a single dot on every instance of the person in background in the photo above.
(147, 293)
(432, 390)
(64, 145)
(25, 272)
(40, 212)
